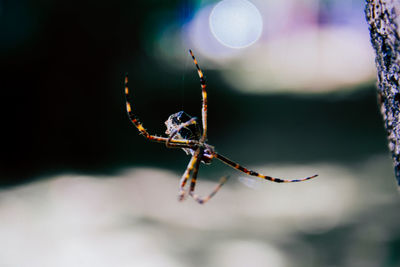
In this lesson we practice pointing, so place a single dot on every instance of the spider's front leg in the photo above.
(204, 98)
(175, 143)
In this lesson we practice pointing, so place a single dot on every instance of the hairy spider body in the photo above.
(184, 132)
(191, 132)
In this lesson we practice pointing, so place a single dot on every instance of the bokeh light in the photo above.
(306, 46)
(236, 23)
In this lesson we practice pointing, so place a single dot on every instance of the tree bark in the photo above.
(382, 17)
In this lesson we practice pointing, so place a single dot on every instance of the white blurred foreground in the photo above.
(134, 219)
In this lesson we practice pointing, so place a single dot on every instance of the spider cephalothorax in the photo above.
(184, 132)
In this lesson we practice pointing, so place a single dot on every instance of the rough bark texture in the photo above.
(382, 17)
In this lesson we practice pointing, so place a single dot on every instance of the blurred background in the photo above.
(291, 88)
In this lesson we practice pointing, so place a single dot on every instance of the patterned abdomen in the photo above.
(190, 132)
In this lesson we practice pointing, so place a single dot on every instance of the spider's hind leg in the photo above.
(202, 200)
(253, 173)
(199, 199)
(192, 163)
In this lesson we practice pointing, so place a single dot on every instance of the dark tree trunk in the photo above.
(382, 17)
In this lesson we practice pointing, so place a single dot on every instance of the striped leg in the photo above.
(253, 173)
(202, 200)
(204, 96)
(199, 199)
(193, 161)
(176, 143)
(195, 172)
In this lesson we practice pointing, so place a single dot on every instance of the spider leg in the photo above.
(199, 199)
(183, 125)
(204, 96)
(203, 200)
(176, 143)
(193, 161)
(253, 173)
(194, 175)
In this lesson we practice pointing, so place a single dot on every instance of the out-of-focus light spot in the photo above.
(293, 54)
(312, 60)
(199, 37)
(236, 23)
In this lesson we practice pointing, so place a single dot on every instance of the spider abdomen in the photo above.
(175, 126)
(189, 132)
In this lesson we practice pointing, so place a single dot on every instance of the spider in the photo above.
(184, 132)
